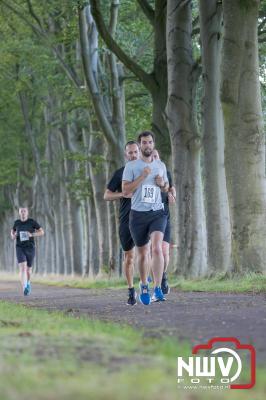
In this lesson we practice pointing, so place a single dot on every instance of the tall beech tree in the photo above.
(244, 135)
(185, 139)
(217, 208)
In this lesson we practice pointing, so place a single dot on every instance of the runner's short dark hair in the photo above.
(145, 134)
(130, 142)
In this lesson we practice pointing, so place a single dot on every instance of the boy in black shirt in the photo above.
(24, 230)
(114, 192)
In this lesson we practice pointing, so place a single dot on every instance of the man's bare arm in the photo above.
(172, 195)
(163, 185)
(109, 195)
(172, 191)
(38, 232)
(130, 187)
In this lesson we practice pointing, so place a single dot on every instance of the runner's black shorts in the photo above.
(143, 223)
(167, 232)
(25, 254)
(126, 239)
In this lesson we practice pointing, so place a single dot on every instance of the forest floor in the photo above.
(192, 317)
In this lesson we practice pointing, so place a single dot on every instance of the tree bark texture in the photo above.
(185, 141)
(217, 208)
(244, 136)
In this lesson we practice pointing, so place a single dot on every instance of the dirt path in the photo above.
(192, 316)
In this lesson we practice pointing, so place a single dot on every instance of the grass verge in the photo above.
(53, 356)
(254, 283)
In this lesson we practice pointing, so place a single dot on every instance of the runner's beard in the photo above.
(147, 152)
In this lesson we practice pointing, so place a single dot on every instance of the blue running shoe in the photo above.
(29, 287)
(26, 291)
(157, 295)
(144, 296)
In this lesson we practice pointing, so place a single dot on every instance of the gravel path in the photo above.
(192, 316)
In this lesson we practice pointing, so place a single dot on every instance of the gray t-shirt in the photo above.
(148, 195)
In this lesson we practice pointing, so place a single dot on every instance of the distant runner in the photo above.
(167, 198)
(146, 178)
(24, 230)
(114, 192)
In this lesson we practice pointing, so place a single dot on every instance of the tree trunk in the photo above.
(244, 136)
(94, 243)
(72, 211)
(89, 53)
(155, 82)
(98, 182)
(185, 140)
(36, 153)
(217, 208)
(159, 95)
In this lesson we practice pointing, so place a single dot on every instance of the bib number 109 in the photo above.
(148, 193)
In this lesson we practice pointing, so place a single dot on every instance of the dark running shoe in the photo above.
(164, 285)
(132, 296)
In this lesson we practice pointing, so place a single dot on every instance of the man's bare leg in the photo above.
(23, 274)
(129, 272)
(164, 285)
(29, 269)
(157, 261)
(143, 262)
(143, 258)
(166, 247)
(129, 266)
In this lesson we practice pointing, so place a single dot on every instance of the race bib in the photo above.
(148, 194)
(23, 236)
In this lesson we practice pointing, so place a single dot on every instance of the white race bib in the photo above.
(23, 236)
(148, 194)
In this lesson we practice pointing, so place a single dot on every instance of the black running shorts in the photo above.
(167, 232)
(126, 240)
(25, 254)
(143, 223)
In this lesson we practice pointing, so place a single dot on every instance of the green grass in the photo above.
(82, 283)
(239, 284)
(52, 356)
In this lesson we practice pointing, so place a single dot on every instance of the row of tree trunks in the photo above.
(232, 235)
(79, 228)
(77, 240)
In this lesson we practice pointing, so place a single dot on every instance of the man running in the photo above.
(114, 192)
(146, 178)
(167, 198)
(24, 230)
